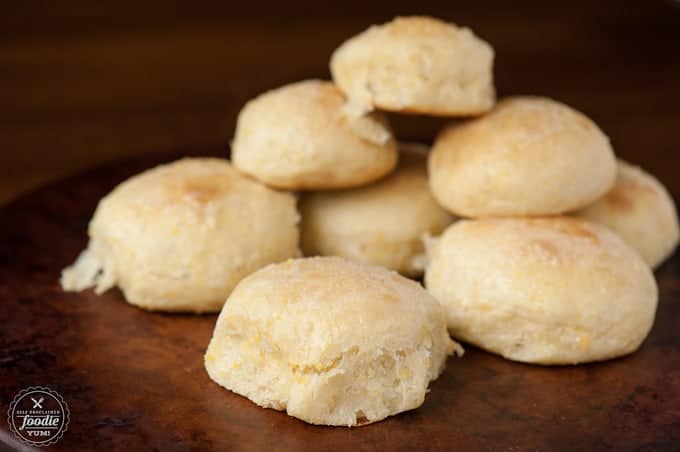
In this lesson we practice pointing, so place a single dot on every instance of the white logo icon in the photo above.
(38, 416)
(37, 403)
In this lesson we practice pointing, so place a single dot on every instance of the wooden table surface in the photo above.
(135, 380)
(85, 84)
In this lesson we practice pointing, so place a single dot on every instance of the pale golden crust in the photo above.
(546, 290)
(330, 341)
(180, 236)
(416, 65)
(641, 211)
(300, 137)
(382, 223)
(529, 156)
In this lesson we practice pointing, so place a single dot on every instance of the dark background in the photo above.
(84, 83)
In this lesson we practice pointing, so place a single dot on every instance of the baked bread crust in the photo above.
(180, 236)
(641, 211)
(301, 137)
(529, 156)
(382, 223)
(555, 290)
(416, 65)
(330, 341)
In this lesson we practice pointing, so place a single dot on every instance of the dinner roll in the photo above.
(529, 156)
(548, 291)
(331, 341)
(416, 65)
(180, 236)
(299, 137)
(382, 223)
(641, 211)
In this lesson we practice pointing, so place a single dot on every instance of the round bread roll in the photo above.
(180, 236)
(330, 341)
(416, 65)
(382, 223)
(299, 137)
(548, 291)
(529, 156)
(641, 211)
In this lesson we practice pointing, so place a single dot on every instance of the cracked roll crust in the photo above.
(641, 211)
(548, 291)
(382, 223)
(330, 341)
(180, 236)
(416, 65)
(301, 137)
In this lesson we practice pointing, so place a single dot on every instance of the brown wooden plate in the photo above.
(135, 380)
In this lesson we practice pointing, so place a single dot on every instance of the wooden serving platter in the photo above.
(134, 380)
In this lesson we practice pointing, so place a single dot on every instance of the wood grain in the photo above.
(135, 380)
(90, 82)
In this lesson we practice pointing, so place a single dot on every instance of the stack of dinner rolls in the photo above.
(535, 242)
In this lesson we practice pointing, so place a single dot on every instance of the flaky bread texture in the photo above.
(180, 236)
(416, 65)
(382, 223)
(329, 341)
(300, 137)
(549, 291)
(641, 211)
(528, 156)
